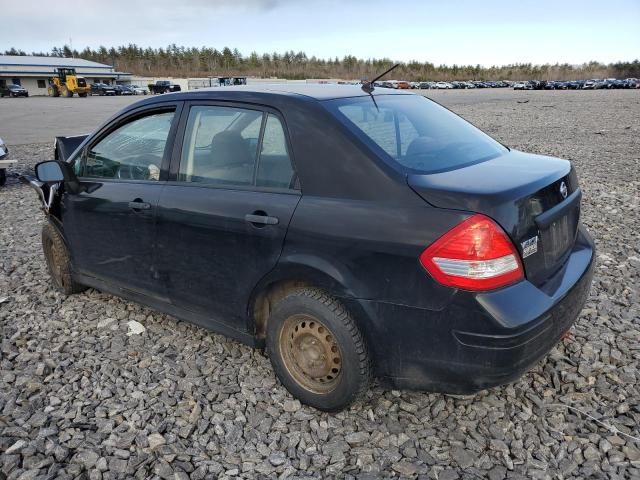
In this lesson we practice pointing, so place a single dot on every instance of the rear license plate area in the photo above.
(559, 236)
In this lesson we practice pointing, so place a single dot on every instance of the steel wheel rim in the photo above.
(310, 353)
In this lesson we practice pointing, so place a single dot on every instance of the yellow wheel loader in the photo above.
(66, 83)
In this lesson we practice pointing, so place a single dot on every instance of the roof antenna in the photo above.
(368, 87)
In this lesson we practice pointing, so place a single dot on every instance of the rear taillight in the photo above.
(474, 255)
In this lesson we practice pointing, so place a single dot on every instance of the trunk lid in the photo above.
(534, 198)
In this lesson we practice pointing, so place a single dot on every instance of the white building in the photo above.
(33, 73)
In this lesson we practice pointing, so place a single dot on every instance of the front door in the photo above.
(111, 225)
(222, 219)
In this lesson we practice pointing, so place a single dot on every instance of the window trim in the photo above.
(129, 117)
(174, 168)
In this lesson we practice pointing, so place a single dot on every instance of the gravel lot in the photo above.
(80, 398)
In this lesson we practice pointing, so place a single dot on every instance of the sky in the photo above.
(494, 32)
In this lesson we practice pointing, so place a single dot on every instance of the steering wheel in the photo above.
(132, 172)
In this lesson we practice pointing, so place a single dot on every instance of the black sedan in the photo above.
(123, 90)
(13, 90)
(353, 232)
(102, 89)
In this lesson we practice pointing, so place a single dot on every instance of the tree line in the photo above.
(178, 61)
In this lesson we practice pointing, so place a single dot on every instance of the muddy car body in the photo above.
(372, 234)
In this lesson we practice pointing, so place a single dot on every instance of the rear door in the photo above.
(110, 225)
(223, 216)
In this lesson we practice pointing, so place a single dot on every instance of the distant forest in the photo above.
(178, 61)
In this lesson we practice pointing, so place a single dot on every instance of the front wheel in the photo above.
(317, 350)
(58, 261)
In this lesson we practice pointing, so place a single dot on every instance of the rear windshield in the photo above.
(418, 134)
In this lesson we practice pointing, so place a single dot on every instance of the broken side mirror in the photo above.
(49, 172)
(53, 171)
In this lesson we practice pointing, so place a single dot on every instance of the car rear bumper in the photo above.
(479, 340)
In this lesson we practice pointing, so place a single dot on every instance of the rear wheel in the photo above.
(317, 351)
(82, 95)
(58, 261)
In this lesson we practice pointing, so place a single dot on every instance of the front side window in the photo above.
(417, 134)
(134, 151)
(221, 146)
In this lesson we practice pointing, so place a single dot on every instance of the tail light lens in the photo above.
(474, 255)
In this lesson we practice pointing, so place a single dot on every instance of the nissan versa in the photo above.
(354, 232)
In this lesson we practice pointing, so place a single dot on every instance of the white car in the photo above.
(443, 85)
(4, 151)
(137, 90)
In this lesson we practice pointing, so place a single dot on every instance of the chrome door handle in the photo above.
(261, 219)
(140, 205)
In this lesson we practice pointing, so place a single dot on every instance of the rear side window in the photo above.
(274, 167)
(134, 151)
(415, 133)
(220, 146)
(229, 146)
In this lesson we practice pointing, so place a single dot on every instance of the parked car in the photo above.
(4, 163)
(138, 90)
(163, 86)
(13, 90)
(446, 262)
(589, 85)
(123, 90)
(424, 85)
(443, 85)
(522, 86)
(102, 89)
(403, 85)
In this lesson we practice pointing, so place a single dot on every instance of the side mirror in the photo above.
(53, 171)
(49, 172)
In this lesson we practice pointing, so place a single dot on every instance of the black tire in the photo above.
(3, 176)
(323, 313)
(58, 261)
(82, 95)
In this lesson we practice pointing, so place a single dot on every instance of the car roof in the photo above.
(305, 90)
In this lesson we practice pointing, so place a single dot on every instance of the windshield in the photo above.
(415, 132)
